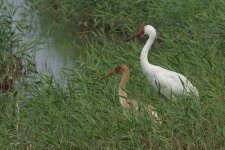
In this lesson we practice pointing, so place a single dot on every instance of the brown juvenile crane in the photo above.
(124, 101)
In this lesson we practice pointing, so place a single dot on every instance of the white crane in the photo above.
(167, 83)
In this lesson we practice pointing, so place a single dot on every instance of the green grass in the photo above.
(87, 113)
(14, 54)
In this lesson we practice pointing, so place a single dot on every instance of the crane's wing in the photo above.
(174, 83)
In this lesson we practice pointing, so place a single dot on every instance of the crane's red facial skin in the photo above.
(140, 32)
(118, 70)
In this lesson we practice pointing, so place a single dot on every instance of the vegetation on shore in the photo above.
(86, 114)
(10, 64)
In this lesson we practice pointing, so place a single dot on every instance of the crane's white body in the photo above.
(167, 82)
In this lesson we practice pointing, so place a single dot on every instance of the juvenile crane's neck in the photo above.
(123, 82)
(122, 88)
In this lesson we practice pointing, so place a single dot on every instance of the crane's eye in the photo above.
(141, 30)
(117, 69)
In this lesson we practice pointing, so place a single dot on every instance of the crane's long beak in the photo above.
(132, 37)
(109, 74)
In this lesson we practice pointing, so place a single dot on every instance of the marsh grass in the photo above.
(87, 114)
(14, 52)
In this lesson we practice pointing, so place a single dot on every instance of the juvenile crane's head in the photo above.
(118, 70)
(143, 30)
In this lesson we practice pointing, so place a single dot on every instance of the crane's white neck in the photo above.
(145, 50)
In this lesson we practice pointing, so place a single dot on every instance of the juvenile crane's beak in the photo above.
(132, 37)
(109, 74)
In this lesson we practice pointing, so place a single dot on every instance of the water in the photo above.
(56, 51)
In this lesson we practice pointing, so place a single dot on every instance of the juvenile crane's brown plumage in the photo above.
(124, 101)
